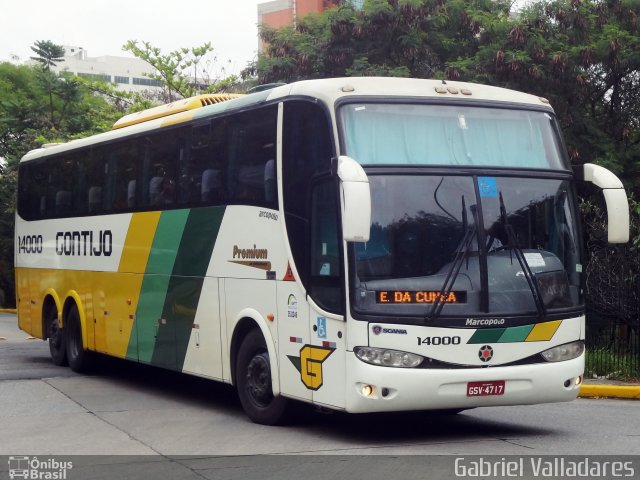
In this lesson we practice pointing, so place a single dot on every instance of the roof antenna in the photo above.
(443, 82)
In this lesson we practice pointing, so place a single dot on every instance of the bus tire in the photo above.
(79, 359)
(253, 382)
(56, 335)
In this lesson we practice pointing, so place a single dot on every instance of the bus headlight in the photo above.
(568, 351)
(388, 358)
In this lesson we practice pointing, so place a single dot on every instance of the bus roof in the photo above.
(333, 89)
(328, 90)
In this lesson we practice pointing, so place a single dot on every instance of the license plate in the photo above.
(483, 389)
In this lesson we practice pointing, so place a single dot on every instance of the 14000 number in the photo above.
(439, 340)
(30, 244)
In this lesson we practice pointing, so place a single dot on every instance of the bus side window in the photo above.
(210, 186)
(251, 178)
(61, 174)
(202, 168)
(164, 154)
(310, 207)
(94, 199)
(32, 194)
(325, 286)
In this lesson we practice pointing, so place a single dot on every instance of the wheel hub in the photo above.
(259, 379)
(54, 333)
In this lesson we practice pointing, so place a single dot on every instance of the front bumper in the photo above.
(396, 389)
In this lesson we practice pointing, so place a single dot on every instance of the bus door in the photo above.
(293, 336)
(324, 361)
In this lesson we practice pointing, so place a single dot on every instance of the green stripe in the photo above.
(516, 334)
(184, 289)
(156, 282)
(166, 241)
(489, 335)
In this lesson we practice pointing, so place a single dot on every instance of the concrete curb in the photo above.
(8, 310)
(610, 391)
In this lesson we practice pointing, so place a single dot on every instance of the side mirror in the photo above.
(356, 200)
(615, 198)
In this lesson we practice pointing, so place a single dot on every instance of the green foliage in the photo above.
(48, 54)
(583, 55)
(38, 106)
(183, 73)
(7, 210)
(634, 206)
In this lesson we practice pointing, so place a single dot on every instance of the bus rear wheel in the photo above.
(253, 380)
(79, 359)
(56, 335)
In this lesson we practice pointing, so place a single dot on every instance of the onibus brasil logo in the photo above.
(37, 469)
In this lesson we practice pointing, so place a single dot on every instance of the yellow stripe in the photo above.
(137, 246)
(115, 315)
(109, 299)
(543, 331)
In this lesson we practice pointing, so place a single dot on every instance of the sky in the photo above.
(102, 27)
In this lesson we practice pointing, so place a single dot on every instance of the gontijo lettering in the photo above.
(84, 243)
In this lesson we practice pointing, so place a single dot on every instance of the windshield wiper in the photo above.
(528, 274)
(461, 255)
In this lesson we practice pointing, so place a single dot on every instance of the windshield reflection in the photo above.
(509, 249)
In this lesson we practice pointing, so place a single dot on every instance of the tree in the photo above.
(48, 54)
(583, 55)
(183, 73)
(32, 113)
(7, 209)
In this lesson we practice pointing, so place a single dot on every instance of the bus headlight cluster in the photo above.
(388, 358)
(568, 351)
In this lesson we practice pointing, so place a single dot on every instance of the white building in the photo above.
(126, 72)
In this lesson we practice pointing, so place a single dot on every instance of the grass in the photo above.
(601, 362)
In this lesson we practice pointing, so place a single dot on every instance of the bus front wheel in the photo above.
(253, 380)
(56, 335)
(79, 359)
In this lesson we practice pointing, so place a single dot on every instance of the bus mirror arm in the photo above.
(356, 200)
(615, 198)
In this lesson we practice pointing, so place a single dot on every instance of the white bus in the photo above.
(362, 244)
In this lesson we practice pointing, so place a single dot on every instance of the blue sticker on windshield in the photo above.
(487, 187)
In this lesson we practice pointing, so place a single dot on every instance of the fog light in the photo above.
(367, 390)
(579, 380)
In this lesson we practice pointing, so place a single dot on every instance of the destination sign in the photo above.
(422, 296)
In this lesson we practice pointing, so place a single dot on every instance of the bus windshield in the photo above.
(463, 244)
(420, 223)
(403, 134)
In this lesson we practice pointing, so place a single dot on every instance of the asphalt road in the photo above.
(129, 409)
